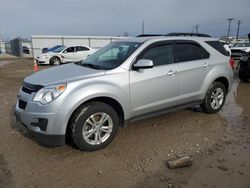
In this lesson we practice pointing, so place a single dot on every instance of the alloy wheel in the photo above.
(217, 98)
(97, 128)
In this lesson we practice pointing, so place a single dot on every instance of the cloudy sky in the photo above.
(114, 17)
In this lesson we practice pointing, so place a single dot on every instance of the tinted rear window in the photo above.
(81, 48)
(218, 46)
(189, 52)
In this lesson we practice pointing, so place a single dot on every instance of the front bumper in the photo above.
(41, 61)
(31, 122)
(42, 121)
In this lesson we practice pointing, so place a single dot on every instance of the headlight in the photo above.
(50, 93)
(44, 57)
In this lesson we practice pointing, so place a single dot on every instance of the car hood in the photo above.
(48, 54)
(62, 74)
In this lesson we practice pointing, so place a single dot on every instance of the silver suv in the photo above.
(122, 82)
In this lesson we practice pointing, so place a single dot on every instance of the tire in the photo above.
(214, 99)
(97, 135)
(243, 74)
(55, 61)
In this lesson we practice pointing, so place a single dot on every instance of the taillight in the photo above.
(232, 62)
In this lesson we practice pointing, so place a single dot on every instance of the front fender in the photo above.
(80, 95)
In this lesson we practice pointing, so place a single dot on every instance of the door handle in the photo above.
(206, 65)
(171, 73)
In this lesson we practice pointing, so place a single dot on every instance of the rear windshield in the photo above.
(218, 46)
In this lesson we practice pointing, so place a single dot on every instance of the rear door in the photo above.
(81, 52)
(193, 66)
(155, 88)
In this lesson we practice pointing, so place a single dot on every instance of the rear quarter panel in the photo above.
(219, 67)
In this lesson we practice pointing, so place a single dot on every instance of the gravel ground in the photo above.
(218, 144)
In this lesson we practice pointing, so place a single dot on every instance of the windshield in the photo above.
(111, 56)
(57, 49)
(242, 45)
(54, 48)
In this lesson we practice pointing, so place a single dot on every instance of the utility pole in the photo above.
(238, 29)
(142, 27)
(229, 27)
(196, 28)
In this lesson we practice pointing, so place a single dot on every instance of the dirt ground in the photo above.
(218, 144)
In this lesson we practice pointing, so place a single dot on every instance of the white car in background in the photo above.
(238, 49)
(64, 54)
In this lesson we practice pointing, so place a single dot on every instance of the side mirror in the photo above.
(65, 52)
(143, 64)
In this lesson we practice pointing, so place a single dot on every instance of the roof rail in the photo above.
(188, 34)
(175, 34)
(150, 35)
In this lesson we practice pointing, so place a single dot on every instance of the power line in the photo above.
(193, 29)
(229, 27)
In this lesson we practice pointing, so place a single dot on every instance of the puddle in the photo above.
(237, 105)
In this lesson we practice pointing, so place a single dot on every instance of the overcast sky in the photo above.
(114, 17)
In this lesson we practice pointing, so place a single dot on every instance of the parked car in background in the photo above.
(62, 54)
(123, 82)
(238, 49)
(244, 68)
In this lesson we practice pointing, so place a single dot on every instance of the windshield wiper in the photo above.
(90, 65)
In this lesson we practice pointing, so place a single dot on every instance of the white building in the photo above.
(47, 41)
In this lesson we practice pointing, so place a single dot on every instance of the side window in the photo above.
(70, 49)
(218, 46)
(160, 55)
(81, 48)
(189, 52)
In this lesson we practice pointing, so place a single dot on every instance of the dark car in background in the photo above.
(244, 68)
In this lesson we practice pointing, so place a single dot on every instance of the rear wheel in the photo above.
(214, 99)
(94, 126)
(55, 61)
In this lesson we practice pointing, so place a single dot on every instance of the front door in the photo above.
(156, 88)
(69, 54)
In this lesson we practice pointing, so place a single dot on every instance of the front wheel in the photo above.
(55, 61)
(94, 126)
(214, 99)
